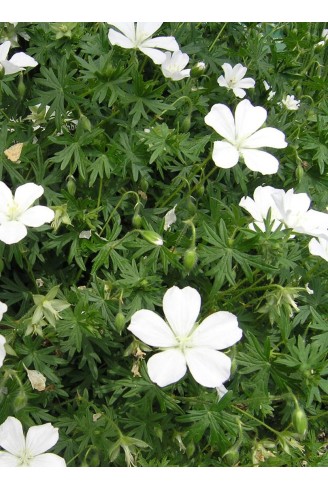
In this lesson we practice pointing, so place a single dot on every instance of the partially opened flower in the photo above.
(138, 36)
(2, 349)
(319, 247)
(259, 207)
(18, 62)
(243, 138)
(234, 80)
(29, 451)
(170, 218)
(183, 342)
(174, 64)
(291, 103)
(16, 212)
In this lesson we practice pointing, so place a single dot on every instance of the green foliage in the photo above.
(116, 145)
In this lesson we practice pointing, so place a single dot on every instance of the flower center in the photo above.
(184, 342)
(25, 458)
(13, 211)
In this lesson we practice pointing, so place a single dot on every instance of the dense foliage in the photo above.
(116, 145)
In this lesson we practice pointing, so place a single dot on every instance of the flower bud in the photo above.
(71, 186)
(21, 87)
(20, 401)
(185, 125)
(119, 322)
(136, 220)
(190, 259)
(231, 456)
(152, 237)
(300, 421)
(144, 184)
(299, 172)
(191, 206)
(85, 123)
(200, 189)
(198, 69)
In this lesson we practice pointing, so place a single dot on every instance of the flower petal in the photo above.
(228, 70)
(47, 459)
(128, 29)
(220, 118)
(239, 92)
(209, 367)
(23, 60)
(118, 39)
(270, 137)
(4, 50)
(222, 81)
(156, 55)
(319, 248)
(260, 161)
(248, 119)
(11, 436)
(37, 216)
(26, 194)
(12, 232)
(2, 349)
(168, 43)
(8, 460)
(10, 68)
(40, 438)
(218, 331)
(238, 72)
(246, 83)
(6, 197)
(151, 329)
(167, 367)
(144, 30)
(181, 308)
(224, 154)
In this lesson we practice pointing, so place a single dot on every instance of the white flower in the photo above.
(185, 343)
(38, 115)
(138, 36)
(289, 209)
(267, 87)
(319, 247)
(260, 205)
(291, 103)
(16, 212)
(29, 451)
(295, 214)
(234, 79)
(174, 64)
(2, 349)
(37, 380)
(17, 62)
(170, 218)
(242, 137)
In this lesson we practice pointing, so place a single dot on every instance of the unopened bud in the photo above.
(71, 186)
(85, 123)
(231, 456)
(300, 421)
(185, 125)
(119, 321)
(21, 87)
(299, 172)
(152, 237)
(136, 221)
(20, 401)
(198, 69)
(190, 259)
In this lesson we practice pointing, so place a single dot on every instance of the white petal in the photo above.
(270, 137)
(47, 459)
(4, 50)
(239, 92)
(40, 438)
(151, 329)
(6, 197)
(164, 42)
(260, 161)
(156, 55)
(12, 232)
(3, 309)
(227, 68)
(222, 81)
(224, 154)
(246, 83)
(220, 118)
(10, 68)
(181, 308)
(11, 436)
(248, 119)
(128, 29)
(23, 60)
(167, 367)
(8, 460)
(37, 216)
(118, 39)
(209, 367)
(314, 223)
(26, 194)
(261, 204)
(319, 248)
(238, 71)
(2, 349)
(218, 331)
(144, 30)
